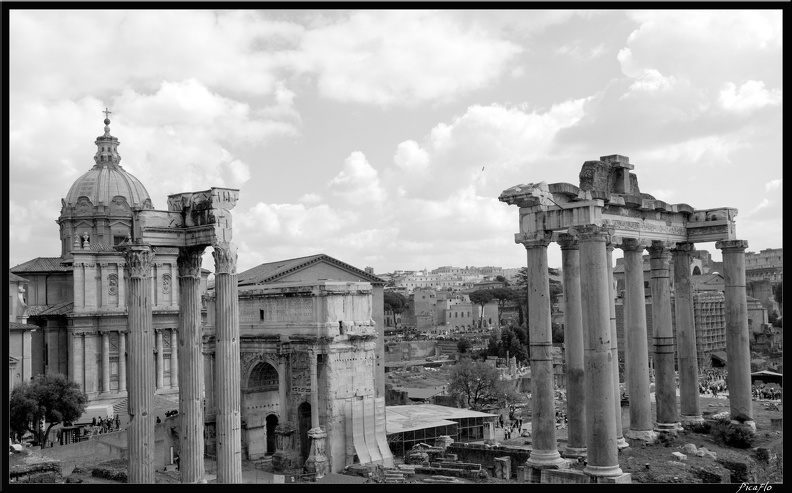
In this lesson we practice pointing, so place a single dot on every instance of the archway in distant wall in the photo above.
(272, 422)
(259, 397)
(304, 413)
(696, 271)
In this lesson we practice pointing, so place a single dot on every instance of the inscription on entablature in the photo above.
(278, 310)
(644, 226)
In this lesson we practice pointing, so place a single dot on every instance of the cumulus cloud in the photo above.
(358, 181)
(772, 185)
(410, 157)
(650, 81)
(762, 205)
(749, 97)
(401, 57)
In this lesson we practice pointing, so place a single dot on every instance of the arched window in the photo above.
(263, 377)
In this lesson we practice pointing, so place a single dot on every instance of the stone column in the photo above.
(738, 354)
(317, 462)
(191, 441)
(282, 384)
(637, 351)
(545, 453)
(602, 453)
(160, 370)
(573, 342)
(286, 456)
(122, 361)
(621, 443)
(174, 359)
(687, 355)
(229, 445)
(665, 381)
(105, 361)
(140, 433)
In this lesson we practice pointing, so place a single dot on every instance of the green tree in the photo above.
(503, 296)
(481, 297)
(50, 398)
(502, 279)
(464, 345)
(396, 303)
(479, 384)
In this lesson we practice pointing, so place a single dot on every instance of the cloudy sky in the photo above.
(383, 138)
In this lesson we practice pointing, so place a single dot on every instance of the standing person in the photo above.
(118, 422)
(93, 421)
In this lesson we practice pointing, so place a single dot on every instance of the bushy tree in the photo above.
(479, 384)
(396, 303)
(51, 398)
(503, 296)
(481, 297)
(463, 345)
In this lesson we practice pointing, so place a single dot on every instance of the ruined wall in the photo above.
(485, 455)
(410, 350)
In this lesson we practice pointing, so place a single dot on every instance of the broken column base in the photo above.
(542, 460)
(648, 436)
(574, 452)
(671, 429)
(624, 478)
(691, 419)
(751, 425)
(621, 443)
(317, 462)
(286, 461)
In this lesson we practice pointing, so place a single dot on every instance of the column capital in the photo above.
(139, 259)
(189, 261)
(660, 248)
(535, 239)
(591, 232)
(568, 242)
(634, 245)
(685, 247)
(733, 245)
(225, 257)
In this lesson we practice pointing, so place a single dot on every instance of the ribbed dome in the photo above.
(105, 181)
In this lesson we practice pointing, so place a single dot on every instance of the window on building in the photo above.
(261, 314)
(117, 240)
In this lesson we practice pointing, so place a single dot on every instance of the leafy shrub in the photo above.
(704, 427)
(732, 435)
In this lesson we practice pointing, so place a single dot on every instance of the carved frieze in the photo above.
(166, 283)
(300, 372)
(112, 284)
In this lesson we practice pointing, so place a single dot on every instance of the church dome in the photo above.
(107, 179)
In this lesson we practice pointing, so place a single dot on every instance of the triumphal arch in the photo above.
(607, 210)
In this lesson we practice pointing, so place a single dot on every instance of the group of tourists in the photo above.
(762, 392)
(712, 381)
(105, 425)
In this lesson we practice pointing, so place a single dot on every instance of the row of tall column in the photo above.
(593, 393)
(190, 366)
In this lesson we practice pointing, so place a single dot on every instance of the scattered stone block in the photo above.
(503, 467)
(689, 449)
(679, 455)
(625, 478)
(563, 476)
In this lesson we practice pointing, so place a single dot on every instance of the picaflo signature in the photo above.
(754, 487)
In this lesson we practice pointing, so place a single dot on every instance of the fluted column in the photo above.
(191, 368)
(637, 352)
(602, 451)
(317, 462)
(665, 380)
(140, 433)
(573, 343)
(174, 359)
(160, 370)
(545, 453)
(229, 446)
(122, 361)
(282, 384)
(738, 354)
(621, 443)
(105, 361)
(687, 357)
